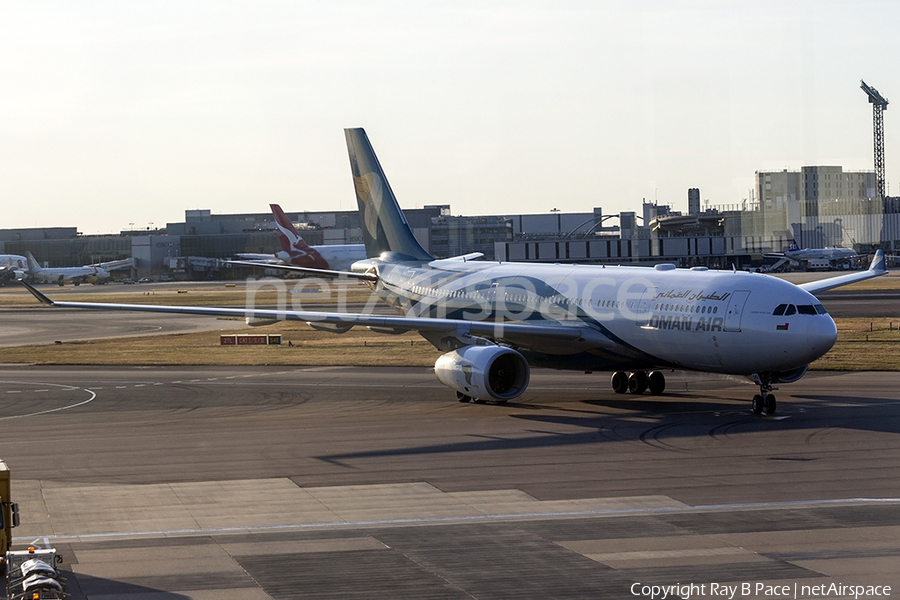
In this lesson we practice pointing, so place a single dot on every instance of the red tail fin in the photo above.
(287, 234)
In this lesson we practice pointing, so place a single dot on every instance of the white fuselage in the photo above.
(718, 321)
(821, 253)
(52, 274)
(14, 261)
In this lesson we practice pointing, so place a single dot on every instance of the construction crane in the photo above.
(879, 105)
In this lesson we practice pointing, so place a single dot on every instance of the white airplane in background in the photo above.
(827, 257)
(796, 253)
(295, 251)
(77, 275)
(495, 321)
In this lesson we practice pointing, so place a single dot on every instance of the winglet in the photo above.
(34, 292)
(878, 262)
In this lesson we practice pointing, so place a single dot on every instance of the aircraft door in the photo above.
(735, 310)
(645, 306)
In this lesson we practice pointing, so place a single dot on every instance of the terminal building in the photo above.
(817, 206)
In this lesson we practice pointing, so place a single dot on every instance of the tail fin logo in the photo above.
(370, 192)
(290, 239)
(294, 249)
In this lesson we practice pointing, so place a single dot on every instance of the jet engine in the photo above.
(486, 372)
(789, 376)
(259, 321)
(10, 274)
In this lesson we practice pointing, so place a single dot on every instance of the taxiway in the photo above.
(340, 482)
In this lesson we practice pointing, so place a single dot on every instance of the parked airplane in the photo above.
(817, 258)
(495, 320)
(77, 275)
(295, 251)
(796, 253)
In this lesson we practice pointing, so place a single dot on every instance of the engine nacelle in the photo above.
(484, 372)
(259, 321)
(789, 376)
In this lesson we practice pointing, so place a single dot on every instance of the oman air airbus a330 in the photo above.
(495, 321)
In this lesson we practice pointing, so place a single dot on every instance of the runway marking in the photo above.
(443, 520)
(58, 408)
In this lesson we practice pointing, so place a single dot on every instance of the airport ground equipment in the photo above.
(28, 574)
(9, 514)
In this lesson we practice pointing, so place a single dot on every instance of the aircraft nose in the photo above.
(821, 334)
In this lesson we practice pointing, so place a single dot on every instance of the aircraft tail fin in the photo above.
(33, 265)
(287, 234)
(384, 227)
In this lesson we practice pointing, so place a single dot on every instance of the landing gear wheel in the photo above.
(764, 401)
(619, 382)
(462, 397)
(637, 382)
(656, 383)
(757, 404)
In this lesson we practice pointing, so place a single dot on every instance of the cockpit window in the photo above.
(803, 309)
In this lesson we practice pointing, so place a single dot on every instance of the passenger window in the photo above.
(779, 310)
(806, 309)
(790, 310)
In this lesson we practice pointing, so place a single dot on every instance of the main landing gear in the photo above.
(638, 382)
(764, 401)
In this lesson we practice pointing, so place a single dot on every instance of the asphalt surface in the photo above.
(339, 482)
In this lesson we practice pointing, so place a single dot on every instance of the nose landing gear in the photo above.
(764, 401)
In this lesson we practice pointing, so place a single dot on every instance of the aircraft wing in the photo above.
(328, 274)
(339, 322)
(876, 269)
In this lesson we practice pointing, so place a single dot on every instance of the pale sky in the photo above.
(117, 113)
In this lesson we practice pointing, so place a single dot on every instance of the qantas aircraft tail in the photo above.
(294, 250)
(287, 234)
